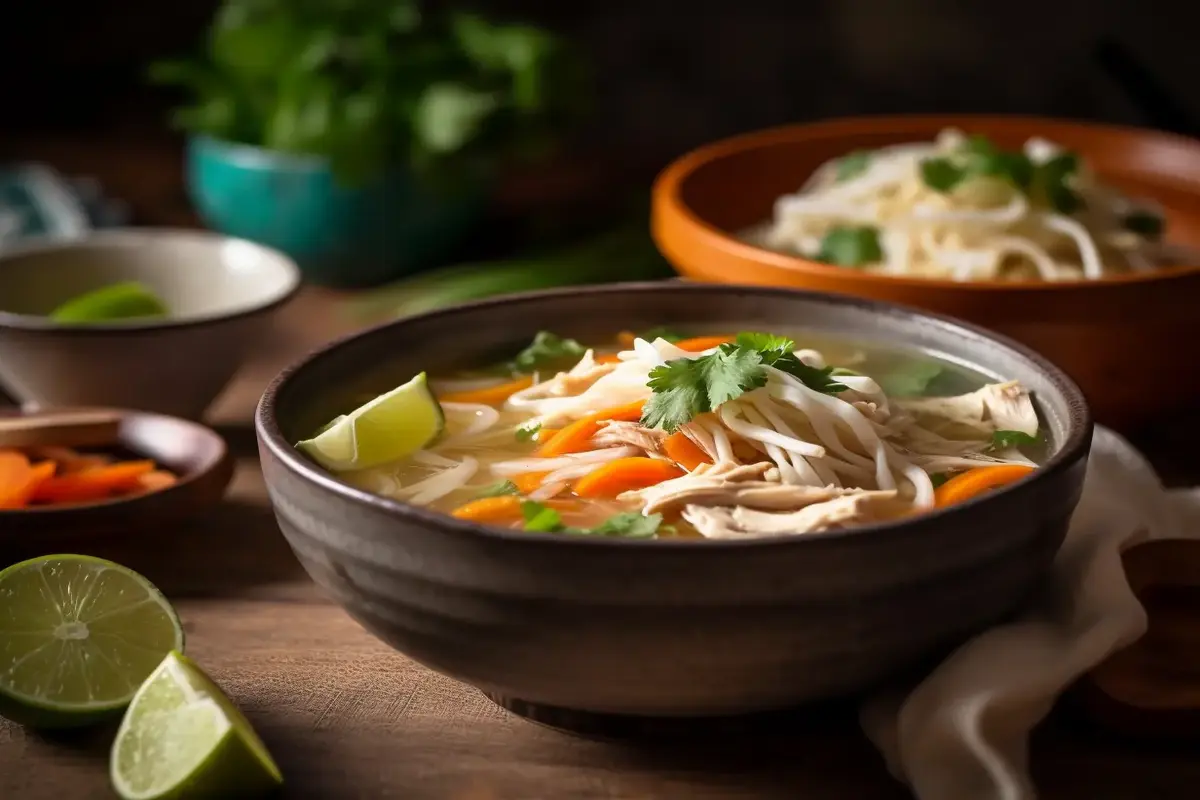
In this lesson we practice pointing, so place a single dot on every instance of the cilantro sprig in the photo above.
(688, 387)
(629, 525)
(547, 350)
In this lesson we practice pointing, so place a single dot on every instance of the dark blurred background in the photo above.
(673, 74)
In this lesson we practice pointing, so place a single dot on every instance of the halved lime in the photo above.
(118, 301)
(183, 738)
(78, 635)
(387, 428)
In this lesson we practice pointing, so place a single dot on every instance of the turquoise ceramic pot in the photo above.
(339, 235)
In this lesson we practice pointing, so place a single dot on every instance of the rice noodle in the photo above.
(980, 226)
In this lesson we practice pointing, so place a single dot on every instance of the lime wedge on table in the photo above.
(389, 427)
(182, 737)
(78, 635)
(127, 300)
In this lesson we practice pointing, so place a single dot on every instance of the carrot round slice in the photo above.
(92, 484)
(503, 510)
(577, 437)
(977, 481)
(624, 475)
(699, 344)
(529, 481)
(491, 396)
(684, 452)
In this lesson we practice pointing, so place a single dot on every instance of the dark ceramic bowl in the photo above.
(663, 628)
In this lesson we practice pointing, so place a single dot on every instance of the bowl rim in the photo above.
(1074, 447)
(110, 237)
(669, 183)
(183, 483)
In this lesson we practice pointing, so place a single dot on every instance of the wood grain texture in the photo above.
(349, 719)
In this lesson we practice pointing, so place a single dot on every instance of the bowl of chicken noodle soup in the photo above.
(565, 498)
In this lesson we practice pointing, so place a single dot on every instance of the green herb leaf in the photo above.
(819, 379)
(688, 387)
(540, 518)
(1004, 439)
(527, 433)
(547, 349)
(1051, 179)
(850, 246)
(665, 334)
(941, 174)
(938, 478)
(631, 525)
(765, 343)
(853, 165)
(912, 380)
(500, 489)
(1144, 223)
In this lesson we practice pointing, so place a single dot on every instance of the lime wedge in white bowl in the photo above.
(387, 428)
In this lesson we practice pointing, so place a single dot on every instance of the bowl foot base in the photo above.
(597, 725)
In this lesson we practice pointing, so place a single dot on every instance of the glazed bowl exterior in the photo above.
(1104, 333)
(662, 628)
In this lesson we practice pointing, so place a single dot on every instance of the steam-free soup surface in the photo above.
(722, 436)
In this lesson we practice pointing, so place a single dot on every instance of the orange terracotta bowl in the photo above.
(1111, 335)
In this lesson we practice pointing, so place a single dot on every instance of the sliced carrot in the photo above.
(977, 481)
(529, 481)
(544, 434)
(92, 484)
(608, 358)
(155, 480)
(576, 437)
(625, 474)
(699, 344)
(501, 510)
(684, 452)
(491, 396)
(68, 460)
(19, 479)
(626, 338)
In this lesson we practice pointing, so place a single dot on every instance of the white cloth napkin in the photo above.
(963, 732)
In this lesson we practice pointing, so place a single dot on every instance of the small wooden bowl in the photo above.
(1151, 689)
(1106, 333)
(196, 454)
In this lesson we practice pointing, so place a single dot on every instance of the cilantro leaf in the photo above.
(941, 174)
(911, 380)
(853, 165)
(938, 478)
(499, 489)
(632, 525)
(1052, 179)
(661, 333)
(527, 433)
(688, 387)
(765, 343)
(547, 349)
(540, 518)
(850, 246)
(1004, 439)
(1146, 224)
(819, 379)
(629, 525)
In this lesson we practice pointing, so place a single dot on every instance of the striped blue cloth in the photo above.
(37, 201)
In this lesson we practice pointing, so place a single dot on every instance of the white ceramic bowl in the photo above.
(220, 292)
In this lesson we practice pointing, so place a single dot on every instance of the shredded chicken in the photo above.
(855, 508)
(995, 407)
(615, 433)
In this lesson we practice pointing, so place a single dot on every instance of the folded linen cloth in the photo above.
(963, 732)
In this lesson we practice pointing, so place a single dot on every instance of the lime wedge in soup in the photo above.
(119, 301)
(78, 635)
(387, 428)
(182, 737)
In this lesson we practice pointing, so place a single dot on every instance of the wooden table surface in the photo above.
(349, 718)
